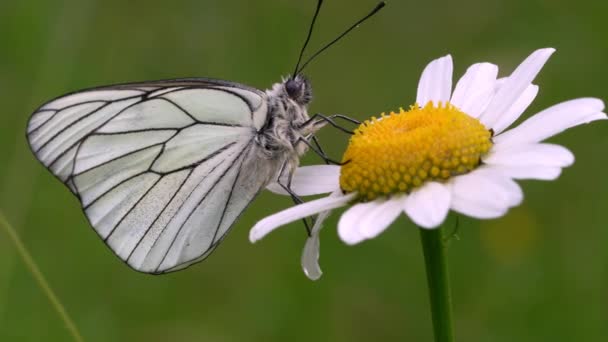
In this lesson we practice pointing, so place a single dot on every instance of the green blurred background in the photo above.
(538, 274)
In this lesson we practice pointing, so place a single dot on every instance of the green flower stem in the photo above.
(436, 263)
(39, 278)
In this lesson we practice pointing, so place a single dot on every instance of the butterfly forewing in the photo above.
(162, 169)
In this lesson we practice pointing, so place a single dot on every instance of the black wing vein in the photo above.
(202, 199)
(160, 212)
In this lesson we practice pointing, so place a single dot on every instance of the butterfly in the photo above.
(163, 169)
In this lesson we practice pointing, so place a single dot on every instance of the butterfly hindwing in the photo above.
(157, 166)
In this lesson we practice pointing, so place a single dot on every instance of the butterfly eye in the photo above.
(293, 88)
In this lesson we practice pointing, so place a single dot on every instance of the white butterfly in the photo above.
(164, 168)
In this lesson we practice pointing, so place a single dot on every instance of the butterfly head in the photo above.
(298, 89)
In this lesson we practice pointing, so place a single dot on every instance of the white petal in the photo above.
(348, 226)
(514, 86)
(310, 180)
(476, 209)
(516, 110)
(553, 120)
(504, 188)
(484, 193)
(310, 254)
(436, 82)
(270, 223)
(530, 154)
(590, 118)
(429, 205)
(475, 89)
(310, 258)
(379, 218)
(528, 172)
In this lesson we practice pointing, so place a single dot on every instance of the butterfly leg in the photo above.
(319, 118)
(318, 145)
(319, 152)
(346, 118)
(294, 197)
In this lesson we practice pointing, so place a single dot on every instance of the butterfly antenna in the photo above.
(312, 25)
(374, 11)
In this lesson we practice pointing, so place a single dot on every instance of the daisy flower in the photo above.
(452, 150)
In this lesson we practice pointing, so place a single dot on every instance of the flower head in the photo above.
(406, 149)
(449, 151)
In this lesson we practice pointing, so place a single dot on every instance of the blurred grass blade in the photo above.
(39, 278)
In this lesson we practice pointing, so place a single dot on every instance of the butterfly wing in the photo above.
(159, 167)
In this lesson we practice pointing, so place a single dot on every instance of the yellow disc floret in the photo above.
(401, 151)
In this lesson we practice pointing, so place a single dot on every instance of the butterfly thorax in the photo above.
(287, 119)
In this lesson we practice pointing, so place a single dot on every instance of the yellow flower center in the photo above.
(401, 151)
